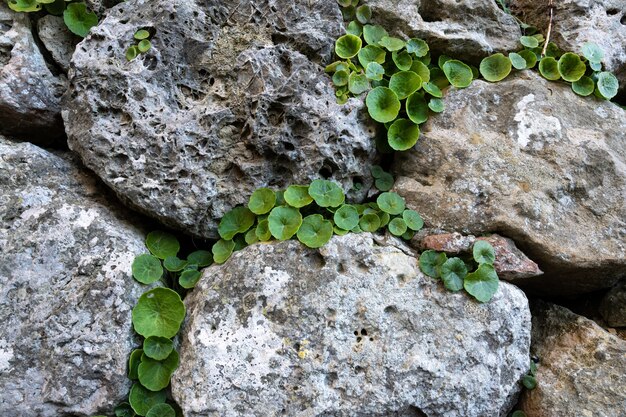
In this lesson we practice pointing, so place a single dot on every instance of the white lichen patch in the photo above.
(6, 355)
(533, 125)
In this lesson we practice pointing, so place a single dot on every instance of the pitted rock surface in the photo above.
(531, 160)
(230, 98)
(65, 288)
(351, 329)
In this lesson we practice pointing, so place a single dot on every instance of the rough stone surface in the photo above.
(468, 29)
(351, 329)
(65, 290)
(226, 101)
(613, 306)
(100, 7)
(533, 161)
(511, 264)
(582, 368)
(57, 39)
(577, 22)
(30, 93)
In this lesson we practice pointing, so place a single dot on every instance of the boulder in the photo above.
(577, 22)
(532, 161)
(30, 90)
(582, 369)
(463, 29)
(231, 97)
(57, 39)
(613, 306)
(353, 328)
(65, 288)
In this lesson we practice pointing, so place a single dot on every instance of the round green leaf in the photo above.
(374, 71)
(222, 250)
(159, 312)
(549, 68)
(337, 66)
(413, 220)
(142, 34)
(371, 53)
(355, 28)
(133, 363)
(56, 8)
(553, 50)
(458, 73)
(592, 52)
(155, 375)
(529, 56)
(438, 77)
(453, 272)
(596, 66)
(403, 135)
(345, 3)
(376, 171)
(571, 67)
(518, 61)
(78, 20)
(530, 382)
(431, 263)
(373, 34)
(162, 244)
(251, 237)
(341, 78)
(584, 86)
(298, 196)
(157, 348)
(315, 231)
(418, 47)
(369, 223)
(189, 278)
(391, 203)
(495, 67)
(422, 70)
(262, 201)
(144, 46)
(417, 108)
(529, 41)
(607, 85)
(432, 89)
(383, 104)
(397, 226)
(391, 43)
(326, 193)
(483, 283)
(358, 83)
(238, 220)
(147, 269)
(200, 257)
(263, 231)
(132, 52)
(161, 410)
(363, 14)
(403, 60)
(174, 264)
(385, 182)
(437, 105)
(142, 400)
(24, 5)
(347, 217)
(284, 222)
(124, 410)
(348, 46)
(483, 252)
(442, 60)
(405, 83)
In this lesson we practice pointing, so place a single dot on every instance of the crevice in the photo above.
(54, 68)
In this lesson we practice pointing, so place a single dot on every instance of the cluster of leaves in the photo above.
(482, 283)
(530, 382)
(75, 14)
(312, 214)
(142, 38)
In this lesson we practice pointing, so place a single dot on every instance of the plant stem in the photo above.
(545, 45)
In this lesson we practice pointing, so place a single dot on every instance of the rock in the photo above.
(511, 264)
(193, 127)
(57, 39)
(582, 368)
(30, 92)
(464, 29)
(613, 306)
(533, 161)
(65, 290)
(577, 22)
(100, 7)
(353, 328)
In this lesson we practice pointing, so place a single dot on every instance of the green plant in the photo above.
(78, 19)
(142, 43)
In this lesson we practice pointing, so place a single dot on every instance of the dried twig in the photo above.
(545, 45)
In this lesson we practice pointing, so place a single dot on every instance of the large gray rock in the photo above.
(466, 29)
(57, 39)
(577, 22)
(65, 290)
(531, 160)
(351, 329)
(582, 368)
(226, 101)
(30, 93)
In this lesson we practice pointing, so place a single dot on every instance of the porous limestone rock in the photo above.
(613, 306)
(65, 288)
(464, 29)
(230, 97)
(57, 39)
(30, 91)
(531, 160)
(582, 367)
(353, 328)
